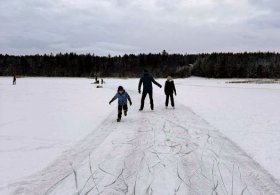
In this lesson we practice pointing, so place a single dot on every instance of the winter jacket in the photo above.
(122, 98)
(169, 87)
(147, 80)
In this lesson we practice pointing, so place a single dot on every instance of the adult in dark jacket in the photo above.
(147, 81)
(169, 88)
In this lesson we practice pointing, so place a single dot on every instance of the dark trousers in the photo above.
(144, 94)
(171, 98)
(120, 109)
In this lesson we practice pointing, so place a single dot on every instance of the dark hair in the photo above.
(146, 71)
(120, 88)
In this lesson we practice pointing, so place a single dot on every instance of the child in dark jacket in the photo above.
(169, 88)
(122, 97)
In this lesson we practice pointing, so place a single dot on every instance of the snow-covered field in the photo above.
(59, 136)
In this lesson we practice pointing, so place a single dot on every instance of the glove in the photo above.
(130, 103)
(175, 94)
(139, 91)
(160, 86)
(110, 103)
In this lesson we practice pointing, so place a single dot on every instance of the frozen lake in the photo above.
(41, 118)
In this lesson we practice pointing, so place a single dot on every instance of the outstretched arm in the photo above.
(128, 97)
(153, 80)
(114, 98)
(174, 89)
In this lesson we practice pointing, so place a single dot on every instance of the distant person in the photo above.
(169, 88)
(147, 81)
(96, 80)
(122, 97)
(14, 80)
(102, 81)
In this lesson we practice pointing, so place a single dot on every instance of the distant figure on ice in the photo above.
(122, 97)
(102, 81)
(14, 80)
(147, 81)
(169, 88)
(96, 80)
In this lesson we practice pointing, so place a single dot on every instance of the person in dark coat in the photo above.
(147, 81)
(122, 97)
(169, 88)
(14, 80)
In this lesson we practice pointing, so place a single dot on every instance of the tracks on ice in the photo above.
(153, 152)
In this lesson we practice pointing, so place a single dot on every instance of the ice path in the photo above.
(159, 152)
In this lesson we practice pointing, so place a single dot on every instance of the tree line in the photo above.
(214, 65)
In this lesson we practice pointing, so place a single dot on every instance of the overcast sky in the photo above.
(138, 26)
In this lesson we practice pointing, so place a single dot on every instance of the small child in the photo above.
(169, 88)
(122, 97)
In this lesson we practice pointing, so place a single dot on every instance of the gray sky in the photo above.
(132, 26)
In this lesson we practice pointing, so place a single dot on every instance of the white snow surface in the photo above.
(60, 136)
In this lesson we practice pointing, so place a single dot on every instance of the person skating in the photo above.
(122, 97)
(147, 81)
(14, 80)
(169, 88)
